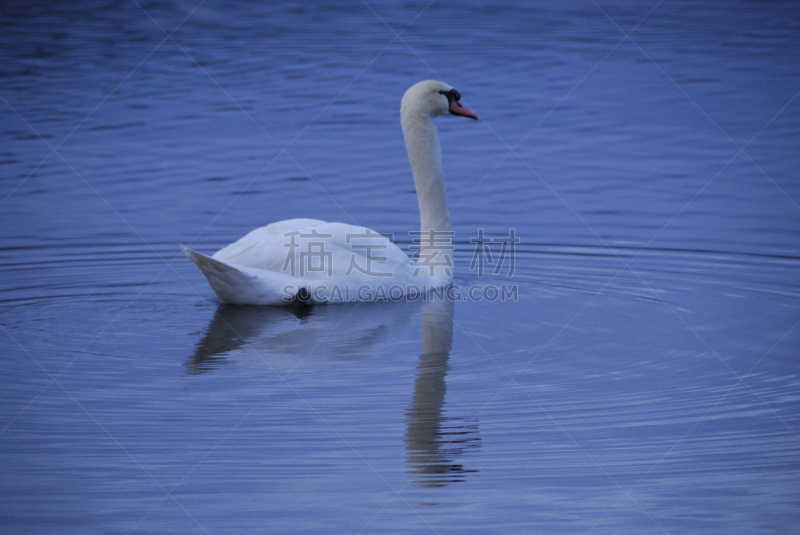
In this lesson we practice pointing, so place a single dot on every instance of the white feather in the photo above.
(265, 266)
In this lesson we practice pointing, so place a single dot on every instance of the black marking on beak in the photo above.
(455, 107)
(451, 95)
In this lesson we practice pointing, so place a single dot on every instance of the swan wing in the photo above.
(276, 261)
(240, 285)
(317, 250)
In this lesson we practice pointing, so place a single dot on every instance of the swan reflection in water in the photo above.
(285, 337)
(434, 442)
(234, 326)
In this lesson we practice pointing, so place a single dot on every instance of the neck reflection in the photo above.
(283, 336)
(435, 443)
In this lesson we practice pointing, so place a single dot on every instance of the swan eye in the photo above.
(451, 95)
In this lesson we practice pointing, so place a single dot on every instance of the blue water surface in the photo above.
(645, 380)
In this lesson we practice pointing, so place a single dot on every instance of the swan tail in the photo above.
(231, 285)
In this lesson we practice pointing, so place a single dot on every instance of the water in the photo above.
(657, 397)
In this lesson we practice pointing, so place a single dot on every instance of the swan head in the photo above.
(432, 98)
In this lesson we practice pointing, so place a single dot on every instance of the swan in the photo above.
(314, 261)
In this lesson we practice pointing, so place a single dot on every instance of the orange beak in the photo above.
(457, 109)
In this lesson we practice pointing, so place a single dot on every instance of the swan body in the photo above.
(320, 262)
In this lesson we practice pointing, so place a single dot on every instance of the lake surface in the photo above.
(644, 381)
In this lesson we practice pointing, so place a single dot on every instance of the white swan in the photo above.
(321, 262)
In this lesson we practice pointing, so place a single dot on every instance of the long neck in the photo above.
(422, 143)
